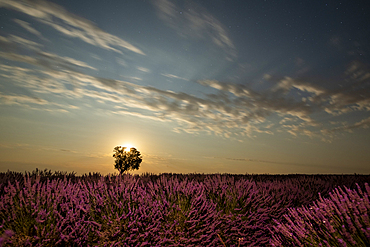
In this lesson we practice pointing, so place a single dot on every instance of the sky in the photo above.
(209, 86)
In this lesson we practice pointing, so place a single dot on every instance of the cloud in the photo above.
(171, 76)
(142, 69)
(28, 27)
(139, 115)
(364, 123)
(222, 108)
(12, 41)
(19, 99)
(195, 22)
(257, 105)
(18, 57)
(34, 103)
(47, 60)
(68, 24)
(121, 62)
(288, 83)
(64, 61)
(353, 95)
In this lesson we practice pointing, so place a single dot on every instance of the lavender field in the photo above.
(59, 209)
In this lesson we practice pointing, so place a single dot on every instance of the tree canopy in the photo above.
(126, 160)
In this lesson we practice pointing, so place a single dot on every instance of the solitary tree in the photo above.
(126, 160)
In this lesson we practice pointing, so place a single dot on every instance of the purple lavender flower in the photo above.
(339, 221)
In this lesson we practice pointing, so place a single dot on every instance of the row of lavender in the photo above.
(183, 210)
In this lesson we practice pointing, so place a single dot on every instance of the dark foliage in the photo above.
(126, 160)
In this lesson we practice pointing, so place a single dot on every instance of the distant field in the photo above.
(59, 209)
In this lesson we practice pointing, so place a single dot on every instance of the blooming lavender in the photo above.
(340, 220)
(45, 209)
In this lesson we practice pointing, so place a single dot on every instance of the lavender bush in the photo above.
(60, 209)
(340, 220)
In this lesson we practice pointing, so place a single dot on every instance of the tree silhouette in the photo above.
(126, 160)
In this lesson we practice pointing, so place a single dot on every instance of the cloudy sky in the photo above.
(196, 86)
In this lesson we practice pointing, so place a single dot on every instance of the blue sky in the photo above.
(196, 86)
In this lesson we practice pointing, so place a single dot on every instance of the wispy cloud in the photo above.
(64, 61)
(353, 95)
(139, 115)
(364, 123)
(288, 83)
(35, 103)
(171, 76)
(20, 99)
(68, 24)
(121, 62)
(39, 58)
(9, 43)
(193, 21)
(234, 110)
(226, 109)
(142, 69)
(28, 27)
